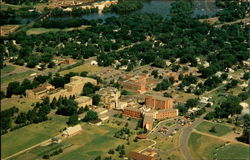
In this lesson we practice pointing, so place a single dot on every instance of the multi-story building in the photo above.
(166, 113)
(75, 87)
(83, 101)
(136, 83)
(39, 92)
(132, 112)
(158, 102)
(109, 97)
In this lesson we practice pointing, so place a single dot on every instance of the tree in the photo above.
(90, 116)
(21, 118)
(246, 75)
(155, 73)
(2, 95)
(175, 67)
(12, 89)
(73, 120)
(182, 8)
(96, 99)
(89, 88)
(98, 158)
(166, 94)
(212, 130)
(192, 103)
(111, 151)
(158, 62)
(84, 74)
(124, 92)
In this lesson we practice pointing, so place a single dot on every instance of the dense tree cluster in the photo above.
(228, 107)
(180, 36)
(6, 116)
(14, 16)
(76, 11)
(19, 89)
(190, 103)
(37, 114)
(233, 9)
(66, 107)
(246, 132)
(90, 116)
(125, 7)
(163, 85)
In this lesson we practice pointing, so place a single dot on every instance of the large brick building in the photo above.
(132, 112)
(135, 84)
(166, 113)
(157, 102)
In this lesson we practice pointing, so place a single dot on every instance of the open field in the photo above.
(7, 69)
(30, 135)
(15, 77)
(5, 6)
(220, 129)
(94, 141)
(44, 30)
(24, 104)
(204, 147)
(7, 29)
(168, 145)
(234, 152)
(85, 67)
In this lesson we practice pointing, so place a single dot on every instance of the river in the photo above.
(161, 7)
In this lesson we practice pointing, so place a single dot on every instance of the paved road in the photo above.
(184, 137)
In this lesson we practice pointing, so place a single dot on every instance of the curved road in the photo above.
(185, 137)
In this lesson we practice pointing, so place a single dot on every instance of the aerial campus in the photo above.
(125, 79)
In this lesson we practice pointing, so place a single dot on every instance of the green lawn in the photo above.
(220, 129)
(24, 104)
(234, 152)
(28, 136)
(203, 147)
(17, 76)
(85, 67)
(7, 69)
(97, 140)
(44, 30)
(169, 124)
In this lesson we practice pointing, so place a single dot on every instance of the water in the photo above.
(161, 7)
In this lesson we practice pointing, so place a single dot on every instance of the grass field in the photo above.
(5, 6)
(94, 141)
(204, 147)
(44, 30)
(85, 67)
(234, 152)
(28, 136)
(24, 104)
(17, 76)
(7, 69)
(221, 130)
